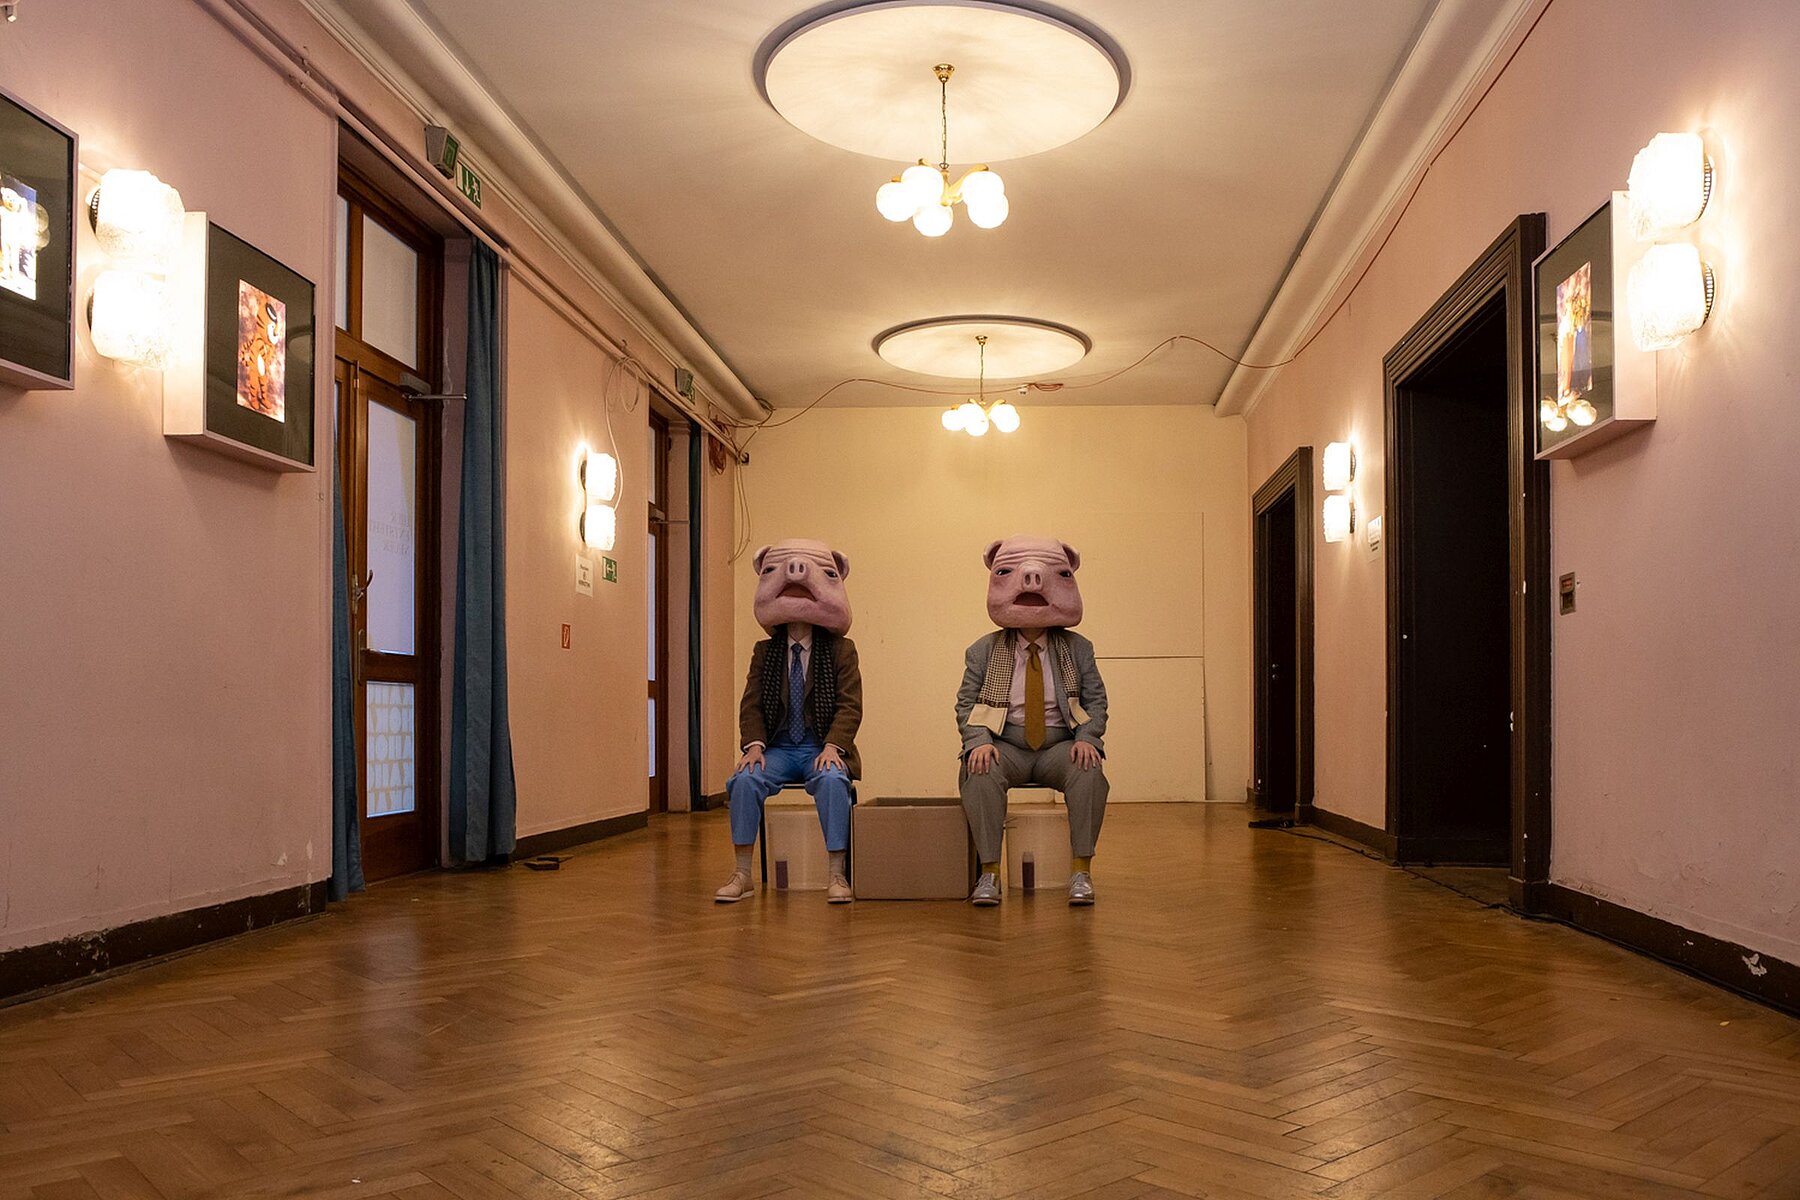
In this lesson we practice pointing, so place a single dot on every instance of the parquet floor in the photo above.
(1244, 1015)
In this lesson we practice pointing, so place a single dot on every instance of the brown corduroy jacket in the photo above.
(844, 723)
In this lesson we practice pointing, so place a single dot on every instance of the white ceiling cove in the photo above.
(1180, 213)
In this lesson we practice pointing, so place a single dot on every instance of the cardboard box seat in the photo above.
(912, 848)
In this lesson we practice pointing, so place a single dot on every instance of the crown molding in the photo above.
(1462, 49)
(408, 55)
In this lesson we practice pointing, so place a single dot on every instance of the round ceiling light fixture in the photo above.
(1027, 81)
(1016, 347)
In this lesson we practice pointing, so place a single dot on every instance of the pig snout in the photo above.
(796, 568)
(1032, 578)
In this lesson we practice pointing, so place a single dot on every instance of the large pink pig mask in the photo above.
(802, 581)
(1031, 583)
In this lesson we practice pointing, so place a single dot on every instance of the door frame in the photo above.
(1503, 270)
(657, 796)
(1294, 477)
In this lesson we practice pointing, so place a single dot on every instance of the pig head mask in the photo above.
(1031, 583)
(802, 580)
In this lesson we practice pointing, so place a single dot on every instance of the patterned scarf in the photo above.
(822, 700)
(996, 685)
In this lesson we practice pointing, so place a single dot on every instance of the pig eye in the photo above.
(1067, 574)
(1003, 571)
(769, 570)
(830, 574)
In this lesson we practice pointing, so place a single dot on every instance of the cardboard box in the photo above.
(797, 860)
(1037, 846)
(912, 848)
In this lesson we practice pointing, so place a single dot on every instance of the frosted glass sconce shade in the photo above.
(129, 316)
(137, 219)
(1339, 466)
(599, 526)
(1671, 181)
(600, 477)
(1670, 294)
(1340, 518)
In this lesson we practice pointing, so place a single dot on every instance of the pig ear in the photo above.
(757, 562)
(843, 564)
(1074, 556)
(987, 556)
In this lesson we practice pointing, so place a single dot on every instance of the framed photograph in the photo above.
(37, 248)
(241, 379)
(1593, 383)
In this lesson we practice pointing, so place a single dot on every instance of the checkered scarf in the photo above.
(996, 685)
(823, 697)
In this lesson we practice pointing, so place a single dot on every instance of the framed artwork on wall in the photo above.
(37, 248)
(1593, 383)
(241, 378)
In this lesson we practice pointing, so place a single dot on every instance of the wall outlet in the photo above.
(1565, 594)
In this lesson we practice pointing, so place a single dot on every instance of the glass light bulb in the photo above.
(974, 421)
(1340, 518)
(933, 220)
(982, 185)
(1338, 467)
(1004, 416)
(894, 201)
(601, 477)
(1556, 422)
(953, 419)
(599, 526)
(129, 316)
(1547, 410)
(138, 219)
(989, 212)
(925, 184)
(1668, 185)
(1583, 413)
(1668, 295)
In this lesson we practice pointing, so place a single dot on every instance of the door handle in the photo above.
(359, 590)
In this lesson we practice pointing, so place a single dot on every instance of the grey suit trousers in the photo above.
(1084, 792)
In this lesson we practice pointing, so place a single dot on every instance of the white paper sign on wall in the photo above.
(584, 575)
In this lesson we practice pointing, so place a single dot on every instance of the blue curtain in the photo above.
(346, 830)
(483, 800)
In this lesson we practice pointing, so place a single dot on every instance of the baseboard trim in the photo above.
(1715, 960)
(716, 801)
(1378, 840)
(31, 970)
(575, 835)
(1451, 852)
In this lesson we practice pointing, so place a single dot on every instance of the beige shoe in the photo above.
(736, 888)
(838, 892)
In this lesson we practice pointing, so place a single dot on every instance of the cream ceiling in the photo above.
(1179, 214)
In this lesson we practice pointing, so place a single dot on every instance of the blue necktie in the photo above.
(797, 701)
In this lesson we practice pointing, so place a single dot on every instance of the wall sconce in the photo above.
(1339, 466)
(599, 526)
(137, 219)
(599, 473)
(1670, 293)
(1671, 180)
(128, 314)
(1340, 518)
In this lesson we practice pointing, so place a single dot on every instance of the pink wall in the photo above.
(1675, 684)
(163, 610)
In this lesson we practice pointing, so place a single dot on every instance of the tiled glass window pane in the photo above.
(390, 785)
(390, 293)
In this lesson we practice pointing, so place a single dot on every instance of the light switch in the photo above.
(1565, 594)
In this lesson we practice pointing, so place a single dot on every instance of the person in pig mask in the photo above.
(1032, 707)
(802, 705)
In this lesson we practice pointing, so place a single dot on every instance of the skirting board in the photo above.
(712, 803)
(575, 835)
(32, 969)
(1378, 840)
(1770, 980)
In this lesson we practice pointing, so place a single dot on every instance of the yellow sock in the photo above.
(992, 868)
(1082, 863)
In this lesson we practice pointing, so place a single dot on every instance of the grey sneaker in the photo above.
(1081, 890)
(987, 891)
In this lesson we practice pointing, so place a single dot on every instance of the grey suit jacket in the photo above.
(1093, 693)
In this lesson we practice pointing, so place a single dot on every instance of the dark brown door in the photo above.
(388, 338)
(656, 571)
(1282, 589)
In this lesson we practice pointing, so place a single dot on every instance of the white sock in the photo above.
(743, 859)
(839, 861)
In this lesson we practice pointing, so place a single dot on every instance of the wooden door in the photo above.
(656, 572)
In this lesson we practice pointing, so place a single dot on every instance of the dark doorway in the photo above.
(1284, 642)
(1468, 568)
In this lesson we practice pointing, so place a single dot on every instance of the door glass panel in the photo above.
(390, 293)
(653, 472)
(390, 784)
(655, 617)
(343, 263)
(653, 739)
(392, 530)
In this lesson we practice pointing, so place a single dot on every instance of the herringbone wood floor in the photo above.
(1245, 1014)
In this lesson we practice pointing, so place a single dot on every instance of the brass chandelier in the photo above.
(924, 195)
(974, 415)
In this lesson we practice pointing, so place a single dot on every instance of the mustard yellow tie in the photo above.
(1034, 698)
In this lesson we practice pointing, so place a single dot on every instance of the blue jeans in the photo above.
(784, 765)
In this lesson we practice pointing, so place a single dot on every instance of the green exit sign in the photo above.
(469, 184)
(609, 570)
